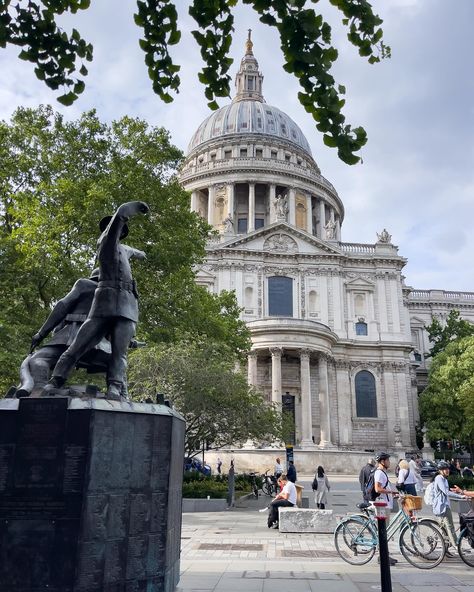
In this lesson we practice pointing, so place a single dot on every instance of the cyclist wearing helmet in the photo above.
(441, 503)
(382, 482)
(383, 488)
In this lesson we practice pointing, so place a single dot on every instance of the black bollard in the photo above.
(385, 578)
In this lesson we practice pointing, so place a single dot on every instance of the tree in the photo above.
(441, 335)
(200, 379)
(305, 38)
(57, 180)
(447, 404)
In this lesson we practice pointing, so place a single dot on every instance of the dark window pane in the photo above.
(242, 225)
(366, 398)
(259, 222)
(280, 296)
(361, 328)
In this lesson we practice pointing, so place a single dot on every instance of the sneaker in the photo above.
(275, 525)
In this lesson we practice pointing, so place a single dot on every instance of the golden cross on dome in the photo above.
(248, 43)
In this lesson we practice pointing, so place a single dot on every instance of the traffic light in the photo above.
(438, 445)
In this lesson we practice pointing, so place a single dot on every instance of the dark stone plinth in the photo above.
(90, 496)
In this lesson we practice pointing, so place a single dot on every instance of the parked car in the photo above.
(194, 464)
(428, 469)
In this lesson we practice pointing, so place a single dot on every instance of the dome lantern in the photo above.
(248, 81)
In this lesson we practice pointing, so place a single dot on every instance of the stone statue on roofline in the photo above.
(384, 237)
(330, 229)
(281, 207)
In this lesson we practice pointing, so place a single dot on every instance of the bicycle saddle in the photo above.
(363, 505)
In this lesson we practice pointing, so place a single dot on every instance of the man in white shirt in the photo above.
(285, 499)
(383, 488)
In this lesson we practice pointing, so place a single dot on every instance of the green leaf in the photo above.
(67, 99)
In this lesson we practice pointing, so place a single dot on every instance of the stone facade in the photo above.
(336, 333)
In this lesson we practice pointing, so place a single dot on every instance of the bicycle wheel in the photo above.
(267, 488)
(465, 549)
(436, 524)
(422, 545)
(355, 541)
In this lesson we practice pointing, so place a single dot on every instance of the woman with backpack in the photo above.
(440, 495)
(321, 488)
(406, 479)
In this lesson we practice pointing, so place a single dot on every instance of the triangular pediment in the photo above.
(279, 238)
(360, 283)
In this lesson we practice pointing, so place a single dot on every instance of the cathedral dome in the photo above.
(249, 116)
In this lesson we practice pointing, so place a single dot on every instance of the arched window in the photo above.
(361, 328)
(366, 396)
(280, 296)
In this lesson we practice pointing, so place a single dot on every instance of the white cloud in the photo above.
(417, 179)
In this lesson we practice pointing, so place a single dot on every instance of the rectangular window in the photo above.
(243, 152)
(259, 223)
(274, 153)
(242, 225)
(258, 152)
(280, 296)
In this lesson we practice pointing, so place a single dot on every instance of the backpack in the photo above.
(429, 494)
(369, 487)
(314, 485)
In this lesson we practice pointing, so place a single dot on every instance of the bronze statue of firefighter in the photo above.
(95, 323)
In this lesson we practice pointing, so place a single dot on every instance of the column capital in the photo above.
(305, 353)
(276, 351)
(252, 353)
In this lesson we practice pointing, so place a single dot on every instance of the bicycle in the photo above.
(253, 484)
(269, 484)
(420, 543)
(464, 541)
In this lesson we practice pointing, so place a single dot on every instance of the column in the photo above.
(251, 220)
(292, 206)
(331, 214)
(306, 408)
(194, 201)
(324, 402)
(276, 374)
(252, 368)
(344, 406)
(322, 219)
(338, 229)
(231, 206)
(309, 213)
(272, 198)
(210, 206)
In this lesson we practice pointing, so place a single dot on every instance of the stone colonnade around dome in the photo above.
(244, 206)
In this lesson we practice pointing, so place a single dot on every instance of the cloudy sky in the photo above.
(417, 178)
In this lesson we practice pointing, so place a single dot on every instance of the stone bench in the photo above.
(303, 520)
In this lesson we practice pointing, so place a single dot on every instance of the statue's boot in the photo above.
(114, 391)
(53, 385)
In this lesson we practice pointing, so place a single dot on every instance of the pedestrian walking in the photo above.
(406, 480)
(323, 488)
(441, 500)
(364, 477)
(278, 470)
(291, 473)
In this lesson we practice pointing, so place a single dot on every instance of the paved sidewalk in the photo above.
(235, 551)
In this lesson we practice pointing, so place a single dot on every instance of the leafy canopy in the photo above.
(447, 404)
(57, 180)
(305, 38)
(441, 335)
(199, 378)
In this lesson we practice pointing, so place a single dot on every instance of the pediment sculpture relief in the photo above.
(281, 243)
